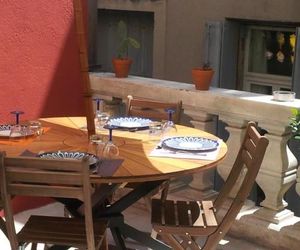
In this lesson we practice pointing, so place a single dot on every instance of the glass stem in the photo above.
(17, 118)
(170, 116)
(98, 104)
(110, 134)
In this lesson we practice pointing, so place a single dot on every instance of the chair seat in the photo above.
(55, 230)
(192, 217)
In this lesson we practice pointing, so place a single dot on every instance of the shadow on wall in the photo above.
(40, 68)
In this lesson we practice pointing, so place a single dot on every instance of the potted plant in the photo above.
(122, 63)
(294, 141)
(295, 123)
(202, 76)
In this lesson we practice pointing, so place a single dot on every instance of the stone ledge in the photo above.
(217, 101)
(284, 235)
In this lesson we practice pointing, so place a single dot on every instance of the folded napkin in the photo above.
(163, 152)
(28, 153)
(108, 167)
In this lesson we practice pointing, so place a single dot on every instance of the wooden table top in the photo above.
(69, 134)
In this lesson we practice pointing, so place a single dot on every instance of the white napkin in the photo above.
(162, 152)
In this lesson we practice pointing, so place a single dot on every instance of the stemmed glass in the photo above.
(101, 117)
(17, 131)
(110, 149)
(169, 126)
(96, 145)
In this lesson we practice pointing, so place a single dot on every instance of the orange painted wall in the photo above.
(39, 63)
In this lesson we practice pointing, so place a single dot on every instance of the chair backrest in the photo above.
(2, 221)
(152, 109)
(45, 178)
(246, 165)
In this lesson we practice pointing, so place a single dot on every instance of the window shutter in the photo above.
(229, 55)
(212, 48)
(296, 67)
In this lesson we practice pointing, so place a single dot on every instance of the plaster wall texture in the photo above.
(185, 26)
(179, 34)
(39, 66)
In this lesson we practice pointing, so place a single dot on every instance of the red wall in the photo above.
(39, 63)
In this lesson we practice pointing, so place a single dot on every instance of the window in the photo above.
(269, 58)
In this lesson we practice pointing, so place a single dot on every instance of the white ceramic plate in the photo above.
(129, 122)
(5, 131)
(93, 159)
(190, 143)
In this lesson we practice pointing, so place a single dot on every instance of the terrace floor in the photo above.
(137, 216)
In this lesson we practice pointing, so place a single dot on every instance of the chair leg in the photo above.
(118, 238)
(3, 226)
(22, 247)
(170, 240)
(33, 246)
(165, 191)
(153, 234)
(104, 244)
(212, 241)
(188, 242)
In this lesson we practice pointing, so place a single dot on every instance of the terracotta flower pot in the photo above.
(121, 66)
(202, 78)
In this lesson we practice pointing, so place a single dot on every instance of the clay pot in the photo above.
(202, 78)
(121, 66)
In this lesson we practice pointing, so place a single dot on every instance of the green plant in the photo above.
(206, 66)
(125, 41)
(295, 123)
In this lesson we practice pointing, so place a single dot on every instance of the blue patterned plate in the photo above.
(93, 159)
(190, 143)
(129, 122)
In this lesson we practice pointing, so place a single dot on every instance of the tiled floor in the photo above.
(136, 216)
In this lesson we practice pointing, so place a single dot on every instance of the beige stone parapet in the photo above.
(298, 182)
(235, 108)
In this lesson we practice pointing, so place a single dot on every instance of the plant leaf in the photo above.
(133, 42)
(122, 30)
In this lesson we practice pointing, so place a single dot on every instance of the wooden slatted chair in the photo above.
(2, 221)
(180, 222)
(50, 178)
(152, 109)
(155, 110)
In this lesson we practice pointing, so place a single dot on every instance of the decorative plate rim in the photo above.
(53, 153)
(117, 122)
(177, 147)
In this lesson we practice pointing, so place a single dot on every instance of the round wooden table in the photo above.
(69, 134)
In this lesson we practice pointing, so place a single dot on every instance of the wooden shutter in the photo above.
(296, 67)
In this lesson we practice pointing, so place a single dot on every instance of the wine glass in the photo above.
(101, 117)
(17, 131)
(169, 126)
(96, 145)
(110, 149)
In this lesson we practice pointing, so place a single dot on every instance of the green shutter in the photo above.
(229, 55)
(212, 48)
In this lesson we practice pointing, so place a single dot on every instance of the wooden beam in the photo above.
(84, 67)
